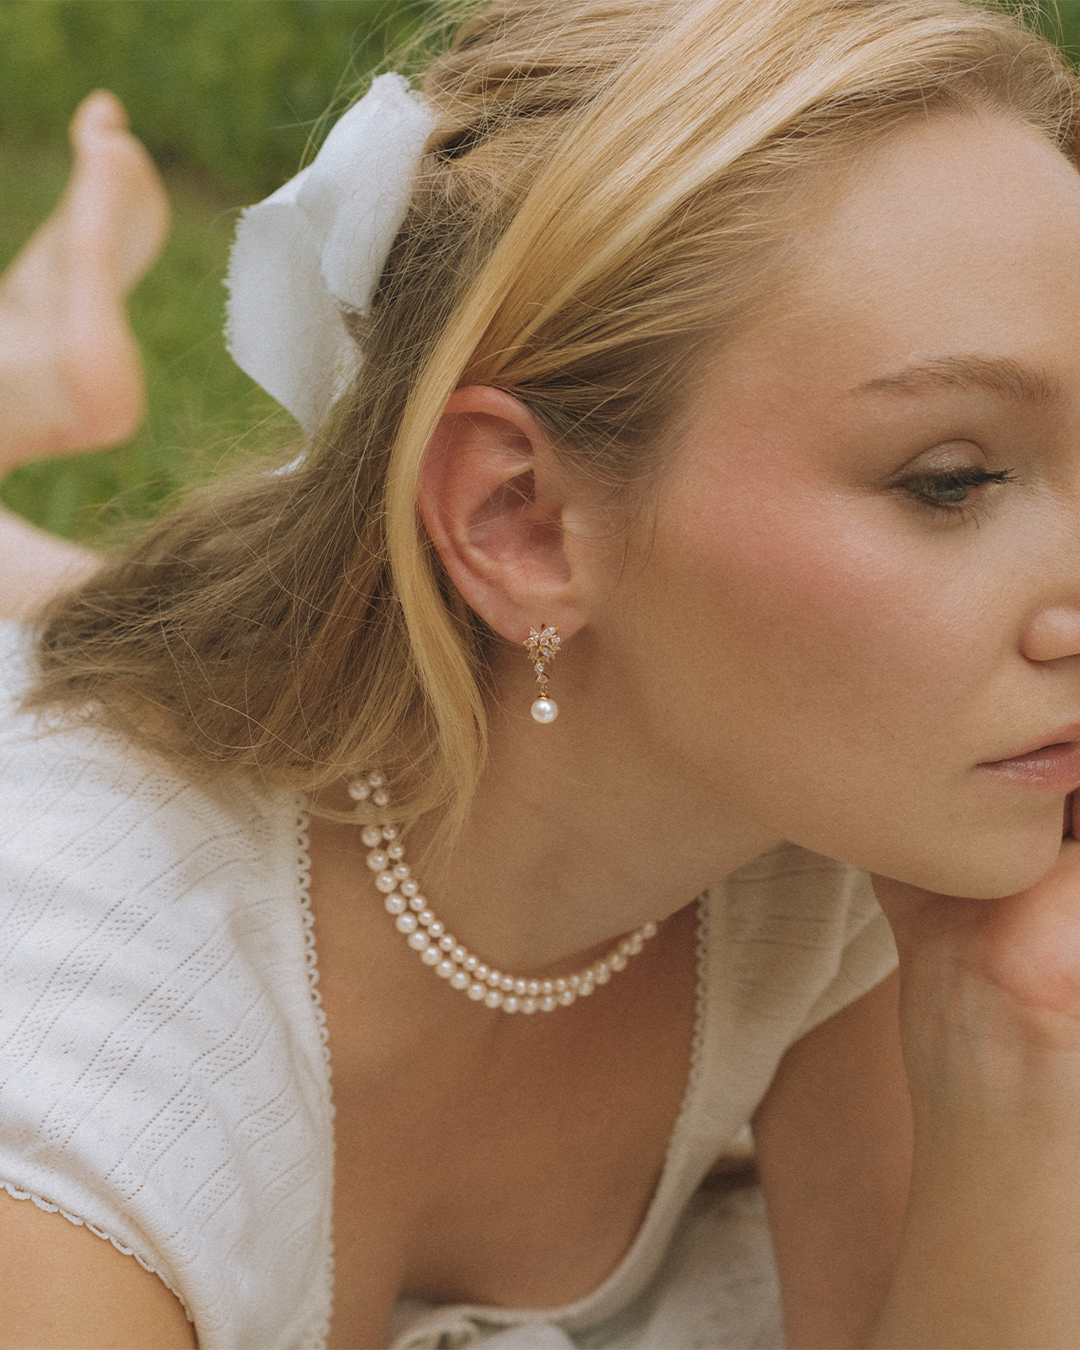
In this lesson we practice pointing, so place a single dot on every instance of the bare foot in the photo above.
(70, 374)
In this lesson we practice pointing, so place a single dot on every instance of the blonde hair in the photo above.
(607, 193)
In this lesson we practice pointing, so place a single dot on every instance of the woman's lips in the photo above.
(1055, 766)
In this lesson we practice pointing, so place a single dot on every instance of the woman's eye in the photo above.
(951, 489)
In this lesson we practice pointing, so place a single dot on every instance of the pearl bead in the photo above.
(381, 798)
(567, 997)
(510, 1004)
(544, 710)
(559, 986)
(410, 888)
(573, 981)
(618, 961)
(431, 956)
(371, 835)
(477, 992)
(390, 832)
(401, 871)
(416, 904)
(493, 998)
(396, 851)
(585, 988)
(547, 1003)
(376, 779)
(532, 988)
(435, 928)
(481, 972)
(377, 861)
(359, 792)
(528, 1005)
(601, 972)
(648, 930)
(444, 969)
(493, 977)
(459, 980)
(394, 904)
(426, 918)
(446, 942)
(470, 963)
(405, 923)
(459, 954)
(419, 941)
(386, 882)
(521, 987)
(506, 984)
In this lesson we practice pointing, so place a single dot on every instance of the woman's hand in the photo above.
(990, 1025)
(70, 375)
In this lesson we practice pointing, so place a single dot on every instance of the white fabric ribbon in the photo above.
(320, 243)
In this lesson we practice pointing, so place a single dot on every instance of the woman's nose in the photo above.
(1052, 634)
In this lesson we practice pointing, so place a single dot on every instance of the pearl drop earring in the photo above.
(543, 647)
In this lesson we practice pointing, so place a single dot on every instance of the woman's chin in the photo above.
(992, 867)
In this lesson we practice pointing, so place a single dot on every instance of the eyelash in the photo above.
(923, 488)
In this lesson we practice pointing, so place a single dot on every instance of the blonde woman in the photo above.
(699, 378)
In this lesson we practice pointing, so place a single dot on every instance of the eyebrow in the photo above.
(995, 375)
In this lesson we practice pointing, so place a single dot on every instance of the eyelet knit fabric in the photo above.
(163, 1068)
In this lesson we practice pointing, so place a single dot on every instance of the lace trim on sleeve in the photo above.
(50, 1208)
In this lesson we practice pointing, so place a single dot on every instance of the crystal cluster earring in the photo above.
(543, 647)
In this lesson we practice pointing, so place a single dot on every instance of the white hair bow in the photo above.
(318, 245)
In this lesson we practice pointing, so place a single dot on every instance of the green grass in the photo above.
(203, 411)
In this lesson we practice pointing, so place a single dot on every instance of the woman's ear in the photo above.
(497, 504)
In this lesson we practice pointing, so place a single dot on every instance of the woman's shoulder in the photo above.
(157, 1022)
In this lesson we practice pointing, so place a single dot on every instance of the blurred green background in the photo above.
(229, 95)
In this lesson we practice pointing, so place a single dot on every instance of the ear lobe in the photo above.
(492, 496)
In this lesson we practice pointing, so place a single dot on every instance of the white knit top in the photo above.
(163, 1070)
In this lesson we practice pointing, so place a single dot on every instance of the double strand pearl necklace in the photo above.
(427, 935)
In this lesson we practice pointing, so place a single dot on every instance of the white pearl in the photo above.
(444, 969)
(601, 972)
(481, 972)
(567, 997)
(533, 988)
(618, 961)
(435, 928)
(459, 980)
(401, 871)
(417, 903)
(376, 779)
(386, 882)
(389, 832)
(521, 988)
(547, 1003)
(394, 904)
(419, 941)
(377, 861)
(573, 981)
(431, 956)
(636, 944)
(559, 985)
(528, 1005)
(510, 1004)
(359, 792)
(470, 963)
(381, 798)
(648, 930)
(371, 835)
(544, 710)
(405, 923)
(459, 954)
(493, 998)
(446, 942)
(395, 851)
(506, 984)
(493, 977)
(477, 992)
(585, 988)
(426, 918)
(410, 889)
